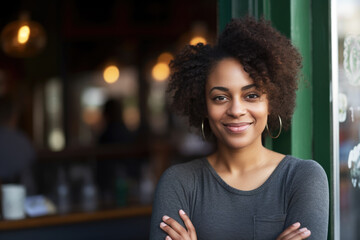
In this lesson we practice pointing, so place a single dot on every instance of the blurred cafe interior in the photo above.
(83, 88)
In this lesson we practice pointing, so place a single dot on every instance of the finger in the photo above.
(299, 234)
(190, 227)
(289, 230)
(171, 232)
(305, 234)
(175, 225)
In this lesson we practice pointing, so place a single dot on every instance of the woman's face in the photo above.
(237, 111)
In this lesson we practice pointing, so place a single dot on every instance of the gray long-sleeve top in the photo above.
(297, 191)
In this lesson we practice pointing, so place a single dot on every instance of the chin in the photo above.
(236, 144)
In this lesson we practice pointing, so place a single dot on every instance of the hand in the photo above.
(294, 233)
(176, 231)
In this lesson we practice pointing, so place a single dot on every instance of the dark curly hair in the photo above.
(268, 56)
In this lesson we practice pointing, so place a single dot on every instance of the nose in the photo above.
(236, 109)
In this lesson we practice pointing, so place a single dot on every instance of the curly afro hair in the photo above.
(268, 56)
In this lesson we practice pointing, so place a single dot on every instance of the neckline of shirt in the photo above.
(244, 192)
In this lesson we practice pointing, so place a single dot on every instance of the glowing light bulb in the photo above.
(23, 34)
(197, 39)
(111, 74)
(160, 71)
(23, 38)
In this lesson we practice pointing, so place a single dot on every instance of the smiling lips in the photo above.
(237, 127)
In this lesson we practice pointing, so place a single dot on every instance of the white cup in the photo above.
(13, 198)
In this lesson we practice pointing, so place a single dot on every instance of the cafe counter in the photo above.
(131, 222)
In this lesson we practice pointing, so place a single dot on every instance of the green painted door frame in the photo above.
(307, 23)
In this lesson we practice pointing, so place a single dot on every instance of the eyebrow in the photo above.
(224, 89)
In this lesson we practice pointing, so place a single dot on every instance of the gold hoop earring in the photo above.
(202, 130)
(267, 128)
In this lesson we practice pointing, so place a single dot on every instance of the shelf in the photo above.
(72, 218)
(107, 151)
(98, 152)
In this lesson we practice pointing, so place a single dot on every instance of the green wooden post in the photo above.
(301, 132)
(321, 87)
(239, 8)
(267, 9)
(322, 151)
(224, 14)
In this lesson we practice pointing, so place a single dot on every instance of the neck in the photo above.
(239, 160)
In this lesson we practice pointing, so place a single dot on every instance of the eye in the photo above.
(252, 96)
(220, 99)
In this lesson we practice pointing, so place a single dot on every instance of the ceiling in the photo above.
(81, 34)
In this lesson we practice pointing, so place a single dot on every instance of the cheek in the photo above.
(261, 112)
(214, 115)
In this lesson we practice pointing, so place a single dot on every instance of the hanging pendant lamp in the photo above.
(23, 38)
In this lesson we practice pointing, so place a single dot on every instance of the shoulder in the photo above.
(307, 172)
(183, 171)
(304, 167)
(13, 137)
(179, 179)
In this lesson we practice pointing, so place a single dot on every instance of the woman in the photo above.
(235, 93)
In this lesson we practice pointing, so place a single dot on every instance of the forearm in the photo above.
(168, 200)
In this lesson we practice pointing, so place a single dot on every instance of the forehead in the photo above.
(229, 72)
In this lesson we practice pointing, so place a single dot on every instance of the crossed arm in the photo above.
(307, 208)
(175, 231)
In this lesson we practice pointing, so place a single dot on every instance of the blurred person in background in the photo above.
(17, 153)
(114, 132)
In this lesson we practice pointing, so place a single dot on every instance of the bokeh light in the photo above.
(131, 117)
(23, 34)
(91, 116)
(56, 140)
(111, 74)
(197, 39)
(165, 57)
(23, 39)
(160, 71)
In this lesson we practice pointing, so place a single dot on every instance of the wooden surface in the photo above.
(126, 212)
